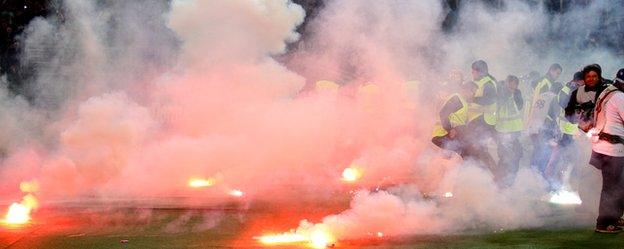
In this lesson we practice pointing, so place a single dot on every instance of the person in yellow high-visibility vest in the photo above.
(542, 86)
(482, 114)
(449, 132)
(509, 126)
(483, 108)
(567, 126)
(546, 82)
(542, 120)
(565, 153)
(544, 129)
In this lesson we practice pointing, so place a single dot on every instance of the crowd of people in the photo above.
(486, 111)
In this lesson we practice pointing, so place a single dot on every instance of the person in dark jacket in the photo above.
(579, 110)
(583, 100)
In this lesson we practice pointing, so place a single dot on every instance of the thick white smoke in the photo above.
(514, 40)
(133, 98)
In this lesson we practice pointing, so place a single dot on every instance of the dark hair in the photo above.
(480, 66)
(555, 66)
(619, 76)
(577, 76)
(593, 67)
(512, 78)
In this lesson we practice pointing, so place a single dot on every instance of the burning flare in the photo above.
(316, 237)
(19, 213)
(200, 182)
(236, 193)
(320, 238)
(351, 174)
(565, 197)
(284, 238)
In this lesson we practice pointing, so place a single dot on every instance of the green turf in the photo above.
(177, 228)
(515, 239)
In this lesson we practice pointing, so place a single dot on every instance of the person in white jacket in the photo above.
(608, 153)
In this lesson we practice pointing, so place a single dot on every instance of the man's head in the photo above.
(619, 79)
(578, 78)
(554, 71)
(468, 90)
(512, 82)
(592, 75)
(479, 69)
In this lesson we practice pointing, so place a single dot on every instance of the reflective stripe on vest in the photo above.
(565, 126)
(488, 111)
(509, 117)
(457, 118)
(566, 89)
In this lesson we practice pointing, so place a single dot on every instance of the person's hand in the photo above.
(452, 133)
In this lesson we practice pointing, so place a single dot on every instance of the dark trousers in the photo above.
(479, 132)
(509, 155)
(447, 143)
(612, 195)
(562, 159)
(542, 151)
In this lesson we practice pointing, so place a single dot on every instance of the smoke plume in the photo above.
(131, 99)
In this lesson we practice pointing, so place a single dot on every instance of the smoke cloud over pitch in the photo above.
(131, 99)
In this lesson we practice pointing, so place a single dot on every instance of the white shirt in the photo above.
(539, 111)
(614, 114)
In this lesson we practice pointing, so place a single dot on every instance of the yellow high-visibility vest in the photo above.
(543, 83)
(457, 118)
(509, 117)
(538, 89)
(488, 111)
(326, 86)
(566, 126)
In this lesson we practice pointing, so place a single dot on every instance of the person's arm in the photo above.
(563, 99)
(618, 102)
(518, 99)
(489, 95)
(451, 106)
(544, 89)
(570, 108)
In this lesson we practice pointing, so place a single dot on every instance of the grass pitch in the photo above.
(234, 226)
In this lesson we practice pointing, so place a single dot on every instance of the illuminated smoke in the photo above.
(211, 88)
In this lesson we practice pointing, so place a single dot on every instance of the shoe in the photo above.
(608, 229)
(620, 223)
